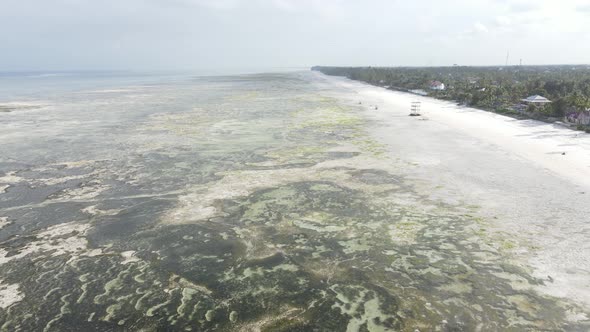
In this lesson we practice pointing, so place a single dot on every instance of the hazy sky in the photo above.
(200, 34)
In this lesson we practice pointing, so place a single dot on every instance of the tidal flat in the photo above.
(241, 203)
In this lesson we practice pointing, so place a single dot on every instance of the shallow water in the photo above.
(255, 202)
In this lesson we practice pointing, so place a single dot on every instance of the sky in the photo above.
(240, 34)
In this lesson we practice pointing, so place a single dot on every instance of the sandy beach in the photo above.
(530, 180)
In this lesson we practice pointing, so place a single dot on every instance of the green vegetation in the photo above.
(498, 89)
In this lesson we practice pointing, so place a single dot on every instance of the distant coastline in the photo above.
(501, 90)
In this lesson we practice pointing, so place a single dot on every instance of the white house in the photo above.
(436, 85)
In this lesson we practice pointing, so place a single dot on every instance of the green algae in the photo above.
(233, 316)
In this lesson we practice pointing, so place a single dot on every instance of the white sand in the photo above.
(10, 178)
(9, 294)
(514, 171)
(67, 238)
(4, 222)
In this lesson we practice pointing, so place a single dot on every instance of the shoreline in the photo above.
(516, 116)
(558, 137)
(476, 93)
(513, 171)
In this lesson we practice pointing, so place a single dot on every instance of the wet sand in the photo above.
(530, 179)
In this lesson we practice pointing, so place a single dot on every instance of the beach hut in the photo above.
(536, 100)
(436, 85)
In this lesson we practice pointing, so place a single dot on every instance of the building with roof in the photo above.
(536, 100)
(436, 85)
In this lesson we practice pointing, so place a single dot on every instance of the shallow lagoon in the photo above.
(254, 202)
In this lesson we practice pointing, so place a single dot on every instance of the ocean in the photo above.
(151, 202)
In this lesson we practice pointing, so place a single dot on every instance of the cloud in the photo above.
(321, 7)
(502, 21)
(208, 4)
(218, 4)
(522, 7)
(480, 27)
(324, 8)
(215, 33)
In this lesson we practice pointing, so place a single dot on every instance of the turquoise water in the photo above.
(249, 202)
